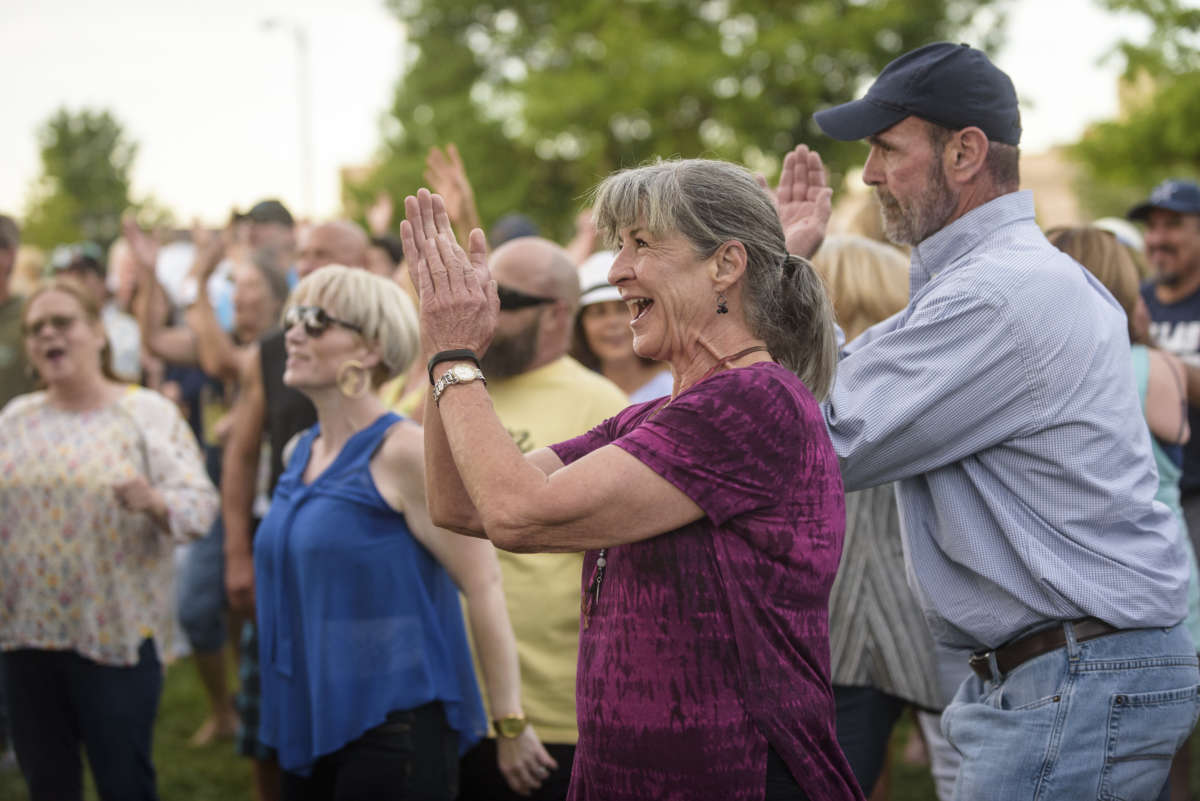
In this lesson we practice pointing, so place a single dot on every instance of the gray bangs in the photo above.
(685, 195)
(628, 196)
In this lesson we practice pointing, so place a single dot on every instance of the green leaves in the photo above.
(84, 185)
(545, 98)
(1156, 135)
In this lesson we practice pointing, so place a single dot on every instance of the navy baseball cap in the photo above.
(1173, 195)
(955, 86)
(270, 211)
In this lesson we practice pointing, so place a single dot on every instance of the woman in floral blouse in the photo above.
(98, 480)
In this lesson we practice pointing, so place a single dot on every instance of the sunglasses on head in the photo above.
(316, 321)
(512, 299)
(59, 322)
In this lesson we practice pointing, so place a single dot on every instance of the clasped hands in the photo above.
(459, 304)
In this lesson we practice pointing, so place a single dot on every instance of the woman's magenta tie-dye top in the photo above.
(708, 642)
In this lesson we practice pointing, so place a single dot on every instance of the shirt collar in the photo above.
(939, 251)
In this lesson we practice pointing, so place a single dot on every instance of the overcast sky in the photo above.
(211, 95)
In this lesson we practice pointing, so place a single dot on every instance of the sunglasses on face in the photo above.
(512, 299)
(316, 321)
(59, 322)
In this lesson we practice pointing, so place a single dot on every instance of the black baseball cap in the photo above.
(81, 256)
(270, 211)
(952, 85)
(1172, 195)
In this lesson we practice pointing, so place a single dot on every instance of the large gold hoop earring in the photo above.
(353, 380)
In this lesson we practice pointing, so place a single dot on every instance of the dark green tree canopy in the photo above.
(544, 98)
(1160, 136)
(84, 185)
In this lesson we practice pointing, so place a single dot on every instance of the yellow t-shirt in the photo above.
(550, 404)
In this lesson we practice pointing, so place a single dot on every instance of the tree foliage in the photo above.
(545, 98)
(84, 185)
(1157, 137)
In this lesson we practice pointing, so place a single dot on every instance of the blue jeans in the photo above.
(1100, 720)
(201, 591)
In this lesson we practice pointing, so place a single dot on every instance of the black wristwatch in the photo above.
(460, 354)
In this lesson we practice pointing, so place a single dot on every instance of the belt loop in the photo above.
(994, 666)
(1072, 646)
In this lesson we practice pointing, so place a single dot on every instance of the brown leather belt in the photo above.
(1013, 654)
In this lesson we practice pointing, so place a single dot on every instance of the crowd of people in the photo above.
(694, 506)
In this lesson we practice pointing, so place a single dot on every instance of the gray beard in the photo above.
(928, 214)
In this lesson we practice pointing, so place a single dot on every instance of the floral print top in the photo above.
(78, 571)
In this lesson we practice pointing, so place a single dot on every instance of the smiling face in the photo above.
(315, 360)
(606, 329)
(61, 342)
(667, 289)
(1173, 245)
(905, 167)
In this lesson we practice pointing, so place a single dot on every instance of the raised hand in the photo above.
(141, 244)
(379, 214)
(209, 249)
(446, 176)
(804, 201)
(459, 305)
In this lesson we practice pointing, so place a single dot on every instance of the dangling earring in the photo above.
(353, 379)
(722, 304)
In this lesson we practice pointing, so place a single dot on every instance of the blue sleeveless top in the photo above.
(355, 617)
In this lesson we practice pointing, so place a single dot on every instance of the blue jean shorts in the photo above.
(1099, 720)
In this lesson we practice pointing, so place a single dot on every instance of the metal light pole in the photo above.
(304, 102)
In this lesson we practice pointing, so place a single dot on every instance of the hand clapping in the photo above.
(459, 304)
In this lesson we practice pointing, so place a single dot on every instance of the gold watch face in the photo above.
(463, 372)
(510, 726)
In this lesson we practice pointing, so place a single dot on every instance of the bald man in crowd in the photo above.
(266, 406)
(542, 396)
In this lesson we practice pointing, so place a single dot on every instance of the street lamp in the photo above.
(304, 101)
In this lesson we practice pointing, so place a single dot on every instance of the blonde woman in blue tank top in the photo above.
(368, 688)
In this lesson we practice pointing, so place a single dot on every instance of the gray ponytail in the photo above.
(789, 309)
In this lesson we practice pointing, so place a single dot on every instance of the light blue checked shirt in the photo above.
(1001, 401)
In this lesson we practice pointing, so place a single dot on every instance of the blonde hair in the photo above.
(377, 305)
(867, 280)
(1104, 257)
(714, 202)
(91, 312)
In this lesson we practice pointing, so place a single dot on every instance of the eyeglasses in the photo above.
(512, 299)
(59, 322)
(316, 321)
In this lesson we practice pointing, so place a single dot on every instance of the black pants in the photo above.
(781, 786)
(59, 699)
(413, 756)
(481, 780)
(865, 719)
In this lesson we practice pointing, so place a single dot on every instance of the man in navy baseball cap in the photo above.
(937, 96)
(954, 86)
(1171, 233)
(1001, 405)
